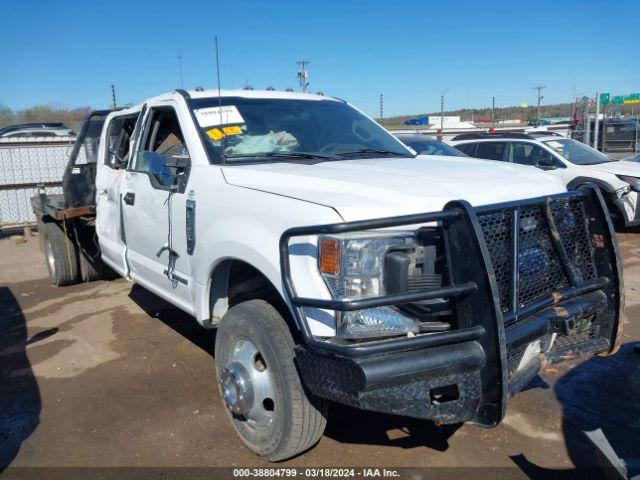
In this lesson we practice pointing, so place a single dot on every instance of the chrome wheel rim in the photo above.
(247, 386)
(51, 261)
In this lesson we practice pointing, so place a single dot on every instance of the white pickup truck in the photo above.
(335, 264)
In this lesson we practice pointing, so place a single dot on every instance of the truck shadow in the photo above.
(174, 318)
(347, 425)
(601, 392)
(350, 425)
(20, 402)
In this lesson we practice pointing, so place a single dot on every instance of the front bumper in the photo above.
(445, 383)
(497, 344)
(628, 204)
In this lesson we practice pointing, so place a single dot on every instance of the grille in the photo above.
(497, 230)
(539, 265)
(566, 341)
(514, 356)
(418, 283)
(540, 271)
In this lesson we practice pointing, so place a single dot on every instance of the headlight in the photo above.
(352, 266)
(634, 182)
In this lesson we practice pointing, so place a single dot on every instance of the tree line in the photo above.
(72, 117)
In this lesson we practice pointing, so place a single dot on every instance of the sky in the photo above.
(69, 53)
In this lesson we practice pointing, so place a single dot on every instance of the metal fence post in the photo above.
(597, 122)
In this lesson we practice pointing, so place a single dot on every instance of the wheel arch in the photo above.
(608, 192)
(233, 280)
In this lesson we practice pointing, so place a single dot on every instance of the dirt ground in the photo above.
(108, 374)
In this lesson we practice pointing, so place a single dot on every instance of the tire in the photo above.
(42, 235)
(61, 254)
(293, 420)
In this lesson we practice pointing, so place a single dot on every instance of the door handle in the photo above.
(130, 198)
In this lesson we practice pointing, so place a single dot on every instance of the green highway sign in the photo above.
(632, 98)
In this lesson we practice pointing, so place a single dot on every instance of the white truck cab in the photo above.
(335, 264)
(574, 163)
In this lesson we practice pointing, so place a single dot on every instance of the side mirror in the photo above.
(546, 164)
(178, 164)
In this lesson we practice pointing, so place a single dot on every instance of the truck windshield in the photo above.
(578, 153)
(279, 130)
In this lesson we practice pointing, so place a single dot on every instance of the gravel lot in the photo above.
(108, 374)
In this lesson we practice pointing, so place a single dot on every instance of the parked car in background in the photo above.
(634, 158)
(425, 145)
(614, 134)
(575, 163)
(47, 129)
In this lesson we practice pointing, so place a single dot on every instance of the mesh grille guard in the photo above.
(506, 262)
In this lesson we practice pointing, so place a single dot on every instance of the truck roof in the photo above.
(246, 93)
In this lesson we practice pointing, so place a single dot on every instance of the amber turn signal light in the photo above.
(330, 256)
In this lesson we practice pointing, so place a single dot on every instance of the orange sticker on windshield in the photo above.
(215, 134)
(233, 130)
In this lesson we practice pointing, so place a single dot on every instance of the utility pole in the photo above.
(442, 107)
(180, 66)
(381, 107)
(113, 95)
(303, 74)
(539, 88)
(493, 108)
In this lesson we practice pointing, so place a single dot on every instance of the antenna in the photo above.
(180, 66)
(222, 156)
(303, 74)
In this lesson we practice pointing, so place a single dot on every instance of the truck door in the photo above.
(155, 214)
(110, 175)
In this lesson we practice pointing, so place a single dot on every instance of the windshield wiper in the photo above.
(374, 150)
(305, 155)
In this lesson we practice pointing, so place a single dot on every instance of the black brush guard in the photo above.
(571, 305)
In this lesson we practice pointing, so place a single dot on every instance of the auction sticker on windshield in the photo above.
(213, 116)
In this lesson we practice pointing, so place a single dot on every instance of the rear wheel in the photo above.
(61, 253)
(41, 233)
(259, 384)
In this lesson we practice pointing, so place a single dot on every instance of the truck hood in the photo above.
(383, 187)
(621, 167)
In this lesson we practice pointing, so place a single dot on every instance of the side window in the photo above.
(118, 141)
(491, 150)
(468, 148)
(162, 140)
(530, 154)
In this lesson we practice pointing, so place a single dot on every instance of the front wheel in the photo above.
(259, 384)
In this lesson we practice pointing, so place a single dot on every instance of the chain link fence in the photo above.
(618, 136)
(26, 163)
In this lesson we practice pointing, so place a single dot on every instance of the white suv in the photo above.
(573, 162)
